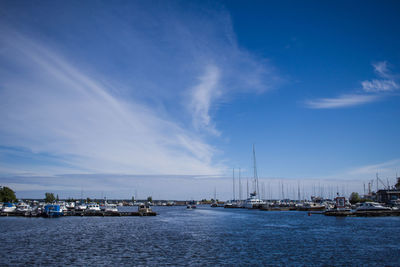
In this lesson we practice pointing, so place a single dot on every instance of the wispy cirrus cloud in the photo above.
(385, 169)
(387, 83)
(202, 97)
(62, 111)
(341, 101)
(124, 90)
(371, 91)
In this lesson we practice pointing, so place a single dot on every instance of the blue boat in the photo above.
(53, 210)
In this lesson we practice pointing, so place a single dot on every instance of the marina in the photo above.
(55, 210)
(182, 237)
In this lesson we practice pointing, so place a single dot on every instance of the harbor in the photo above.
(182, 237)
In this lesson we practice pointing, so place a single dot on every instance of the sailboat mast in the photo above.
(255, 171)
(240, 186)
(233, 179)
(247, 187)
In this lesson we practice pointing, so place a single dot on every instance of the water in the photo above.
(202, 237)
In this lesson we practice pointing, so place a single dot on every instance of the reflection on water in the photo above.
(204, 236)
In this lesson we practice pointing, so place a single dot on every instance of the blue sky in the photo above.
(166, 97)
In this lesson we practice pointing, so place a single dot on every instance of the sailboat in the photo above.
(254, 202)
(232, 203)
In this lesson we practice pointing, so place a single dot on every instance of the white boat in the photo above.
(23, 207)
(63, 206)
(70, 205)
(80, 207)
(372, 206)
(111, 208)
(253, 202)
(107, 207)
(8, 207)
(91, 207)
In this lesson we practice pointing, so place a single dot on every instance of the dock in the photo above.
(82, 214)
(380, 213)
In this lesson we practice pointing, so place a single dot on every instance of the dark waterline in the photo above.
(205, 236)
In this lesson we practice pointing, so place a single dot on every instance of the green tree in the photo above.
(354, 198)
(133, 199)
(7, 194)
(49, 198)
(150, 199)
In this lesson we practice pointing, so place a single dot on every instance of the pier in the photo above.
(82, 214)
(380, 213)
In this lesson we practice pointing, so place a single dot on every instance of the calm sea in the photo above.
(202, 237)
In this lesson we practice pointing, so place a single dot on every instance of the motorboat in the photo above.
(372, 206)
(111, 208)
(8, 207)
(23, 207)
(93, 207)
(228, 204)
(70, 205)
(80, 207)
(145, 210)
(53, 210)
(191, 205)
(107, 207)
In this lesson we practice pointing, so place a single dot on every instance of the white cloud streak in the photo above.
(202, 96)
(341, 101)
(372, 90)
(384, 169)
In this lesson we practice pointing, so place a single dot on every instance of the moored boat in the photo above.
(8, 207)
(372, 206)
(93, 207)
(53, 210)
(80, 207)
(110, 208)
(253, 202)
(145, 210)
(23, 207)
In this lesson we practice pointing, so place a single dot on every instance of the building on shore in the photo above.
(390, 195)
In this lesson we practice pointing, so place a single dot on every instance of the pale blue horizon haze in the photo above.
(165, 98)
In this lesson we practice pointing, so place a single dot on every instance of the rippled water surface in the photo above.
(205, 236)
